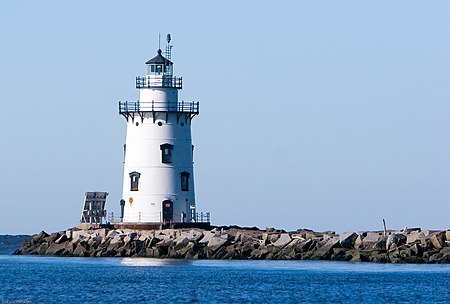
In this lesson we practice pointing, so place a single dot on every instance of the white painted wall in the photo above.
(158, 181)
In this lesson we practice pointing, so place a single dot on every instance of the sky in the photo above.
(325, 115)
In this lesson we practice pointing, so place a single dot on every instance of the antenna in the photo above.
(168, 47)
(159, 41)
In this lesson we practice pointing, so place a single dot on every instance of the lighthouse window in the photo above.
(185, 181)
(134, 177)
(166, 153)
(152, 68)
(159, 69)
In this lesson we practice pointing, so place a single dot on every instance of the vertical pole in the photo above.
(384, 225)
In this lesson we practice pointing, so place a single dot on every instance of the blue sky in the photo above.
(314, 114)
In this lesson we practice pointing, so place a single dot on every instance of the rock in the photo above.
(258, 254)
(231, 253)
(100, 232)
(381, 244)
(38, 237)
(283, 240)
(55, 249)
(396, 239)
(447, 235)
(42, 249)
(80, 235)
(438, 240)
(112, 234)
(116, 240)
(371, 237)
(435, 258)
(379, 257)
(325, 251)
(52, 237)
(445, 259)
(192, 235)
(416, 250)
(183, 250)
(207, 236)
(191, 255)
(216, 242)
(357, 256)
(298, 236)
(61, 239)
(80, 250)
(69, 233)
(305, 246)
(181, 242)
(412, 237)
(347, 239)
(165, 242)
(412, 260)
(272, 238)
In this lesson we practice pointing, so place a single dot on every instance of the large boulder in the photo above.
(193, 235)
(111, 234)
(438, 240)
(55, 249)
(80, 235)
(52, 237)
(42, 249)
(347, 239)
(216, 242)
(396, 239)
(207, 236)
(325, 251)
(180, 243)
(39, 237)
(283, 240)
(63, 238)
(81, 250)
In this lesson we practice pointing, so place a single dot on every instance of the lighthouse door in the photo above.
(167, 207)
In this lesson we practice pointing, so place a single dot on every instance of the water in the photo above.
(141, 280)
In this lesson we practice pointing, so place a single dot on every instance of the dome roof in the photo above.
(159, 59)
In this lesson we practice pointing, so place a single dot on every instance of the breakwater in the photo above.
(408, 246)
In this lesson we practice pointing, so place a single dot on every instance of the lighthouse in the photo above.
(158, 177)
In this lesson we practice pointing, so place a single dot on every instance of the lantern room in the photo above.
(159, 66)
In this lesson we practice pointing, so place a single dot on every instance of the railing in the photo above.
(138, 217)
(203, 217)
(158, 106)
(155, 217)
(159, 82)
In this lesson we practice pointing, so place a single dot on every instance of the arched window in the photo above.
(134, 176)
(185, 181)
(166, 153)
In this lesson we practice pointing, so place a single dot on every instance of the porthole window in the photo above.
(166, 153)
(185, 181)
(134, 177)
(159, 123)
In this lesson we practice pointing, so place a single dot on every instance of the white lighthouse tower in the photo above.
(158, 180)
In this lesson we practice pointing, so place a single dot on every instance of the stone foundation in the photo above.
(239, 243)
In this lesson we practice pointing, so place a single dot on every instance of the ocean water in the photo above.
(38, 279)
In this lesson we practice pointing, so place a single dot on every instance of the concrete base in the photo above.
(88, 226)
(158, 226)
